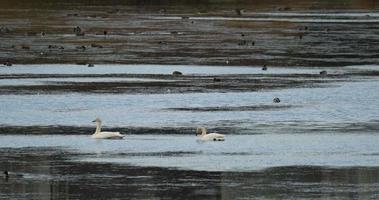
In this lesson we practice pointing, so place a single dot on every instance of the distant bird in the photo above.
(105, 32)
(4, 30)
(90, 65)
(242, 43)
(276, 100)
(8, 175)
(323, 73)
(264, 68)
(162, 42)
(239, 12)
(201, 132)
(104, 135)
(81, 47)
(8, 64)
(215, 79)
(25, 47)
(177, 73)
(77, 29)
(96, 45)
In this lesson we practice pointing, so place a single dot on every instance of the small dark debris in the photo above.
(31, 33)
(4, 30)
(215, 79)
(53, 47)
(90, 65)
(81, 48)
(25, 47)
(80, 34)
(72, 14)
(177, 73)
(276, 100)
(242, 43)
(264, 68)
(323, 73)
(8, 64)
(96, 46)
(239, 11)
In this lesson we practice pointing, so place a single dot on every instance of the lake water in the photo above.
(323, 143)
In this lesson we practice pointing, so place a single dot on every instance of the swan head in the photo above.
(97, 120)
(200, 130)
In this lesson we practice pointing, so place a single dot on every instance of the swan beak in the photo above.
(94, 121)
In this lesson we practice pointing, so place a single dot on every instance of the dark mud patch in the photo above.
(168, 83)
(226, 127)
(75, 130)
(134, 34)
(314, 127)
(233, 108)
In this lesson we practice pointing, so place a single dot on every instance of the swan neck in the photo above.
(203, 131)
(98, 127)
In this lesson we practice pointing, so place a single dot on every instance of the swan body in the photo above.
(104, 135)
(202, 135)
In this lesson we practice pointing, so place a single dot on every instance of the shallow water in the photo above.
(316, 143)
(238, 153)
(344, 103)
(171, 167)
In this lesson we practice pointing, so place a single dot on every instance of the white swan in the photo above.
(104, 135)
(202, 134)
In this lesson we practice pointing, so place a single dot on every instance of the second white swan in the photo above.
(104, 135)
(202, 134)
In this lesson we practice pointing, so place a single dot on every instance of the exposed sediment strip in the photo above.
(167, 83)
(175, 33)
(228, 127)
(232, 108)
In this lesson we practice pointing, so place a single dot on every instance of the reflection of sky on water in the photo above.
(237, 153)
(347, 102)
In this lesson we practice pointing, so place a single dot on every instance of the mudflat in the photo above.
(249, 33)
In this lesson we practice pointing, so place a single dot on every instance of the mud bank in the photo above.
(54, 175)
(280, 33)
